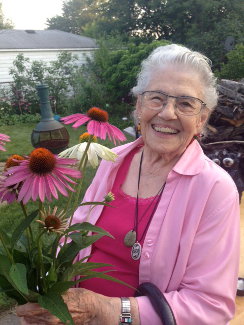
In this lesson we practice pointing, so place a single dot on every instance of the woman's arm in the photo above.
(85, 306)
(206, 293)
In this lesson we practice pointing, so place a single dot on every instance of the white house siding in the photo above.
(8, 56)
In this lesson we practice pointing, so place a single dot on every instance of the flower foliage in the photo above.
(38, 259)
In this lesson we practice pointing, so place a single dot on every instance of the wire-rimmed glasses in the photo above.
(186, 105)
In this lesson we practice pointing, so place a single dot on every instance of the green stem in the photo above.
(29, 233)
(40, 261)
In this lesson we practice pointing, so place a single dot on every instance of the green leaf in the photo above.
(86, 226)
(5, 238)
(67, 253)
(80, 268)
(102, 275)
(61, 287)
(17, 274)
(56, 306)
(5, 265)
(84, 241)
(19, 230)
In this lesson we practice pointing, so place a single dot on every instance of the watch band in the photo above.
(125, 316)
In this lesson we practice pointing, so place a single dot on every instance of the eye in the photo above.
(186, 102)
(217, 161)
(228, 162)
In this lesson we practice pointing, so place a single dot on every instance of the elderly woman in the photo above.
(176, 213)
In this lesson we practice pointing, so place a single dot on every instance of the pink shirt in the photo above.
(191, 249)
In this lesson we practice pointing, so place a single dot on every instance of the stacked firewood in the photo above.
(227, 121)
(224, 139)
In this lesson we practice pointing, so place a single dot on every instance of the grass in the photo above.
(11, 214)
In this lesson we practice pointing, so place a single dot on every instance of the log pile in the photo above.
(224, 139)
(227, 121)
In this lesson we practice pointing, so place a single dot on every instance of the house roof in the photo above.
(43, 39)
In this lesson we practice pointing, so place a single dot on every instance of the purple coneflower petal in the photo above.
(25, 188)
(78, 118)
(35, 188)
(42, 188)
(66, 161)
(64, 177)
(52, 188)
(71, 172)
(59, 185)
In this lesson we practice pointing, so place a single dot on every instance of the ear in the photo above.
(203, 118)
(138, 105)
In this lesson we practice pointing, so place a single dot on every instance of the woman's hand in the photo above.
(85, 306)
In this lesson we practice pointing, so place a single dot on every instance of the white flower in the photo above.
(95, 150)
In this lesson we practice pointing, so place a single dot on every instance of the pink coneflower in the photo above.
(42, 175)
(3, 138)
(13, 161)
(97, 125)
(7, 193)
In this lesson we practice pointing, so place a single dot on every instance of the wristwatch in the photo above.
(125, 316)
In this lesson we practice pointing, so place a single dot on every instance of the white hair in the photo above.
(176, 54)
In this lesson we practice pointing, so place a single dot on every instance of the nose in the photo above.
(168, 110)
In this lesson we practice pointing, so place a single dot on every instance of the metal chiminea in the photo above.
(48, 133)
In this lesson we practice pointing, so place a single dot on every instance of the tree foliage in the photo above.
(234, 67)
(201, 25)
(4, 23)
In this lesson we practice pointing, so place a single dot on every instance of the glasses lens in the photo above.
(154, 100)
(184, 104)
(188, 105)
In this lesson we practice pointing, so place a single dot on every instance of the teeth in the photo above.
(165, 130)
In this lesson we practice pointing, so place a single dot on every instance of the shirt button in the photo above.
(149, 242)
(146, 255)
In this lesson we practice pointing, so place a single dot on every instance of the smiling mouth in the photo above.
(165, 130)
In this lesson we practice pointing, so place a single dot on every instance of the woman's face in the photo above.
(166, 131)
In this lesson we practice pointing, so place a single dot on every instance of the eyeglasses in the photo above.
(186, 105)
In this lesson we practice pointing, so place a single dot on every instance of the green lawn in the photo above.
(21, 138)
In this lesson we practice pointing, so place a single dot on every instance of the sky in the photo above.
(30, 14)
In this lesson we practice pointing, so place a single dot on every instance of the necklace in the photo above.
(131, 238)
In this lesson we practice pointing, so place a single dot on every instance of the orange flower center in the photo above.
(98, 114)
(52, 222)
(42, 161)
(86, 136)
(11, 163)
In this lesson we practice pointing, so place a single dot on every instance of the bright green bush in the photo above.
(234, 67)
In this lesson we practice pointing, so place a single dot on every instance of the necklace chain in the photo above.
(158, 197)
(131, 238)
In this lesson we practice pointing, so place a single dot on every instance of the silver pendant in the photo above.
(130, 238)
(136, 251)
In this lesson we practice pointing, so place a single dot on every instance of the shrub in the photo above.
(234, 67)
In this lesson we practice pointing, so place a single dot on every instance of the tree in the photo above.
(4, 23)
(234, 67)
(77, 14)
(201, 25)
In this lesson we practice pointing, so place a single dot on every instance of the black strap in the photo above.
(158, 301)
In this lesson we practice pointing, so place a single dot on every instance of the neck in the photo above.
(153, 162)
